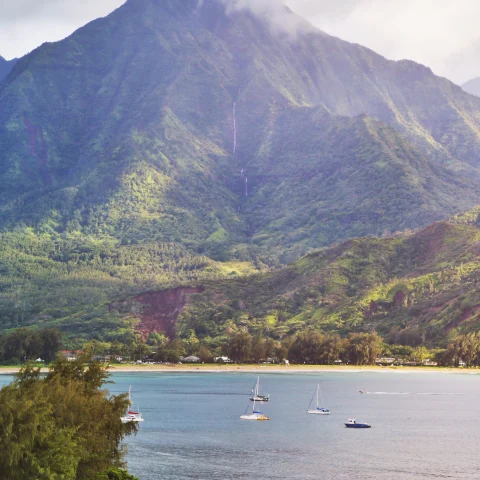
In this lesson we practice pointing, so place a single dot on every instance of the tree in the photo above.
(64, 426)
(420, 354)
(363, 348)
(306, 348)
(205, 355)
(332, 348)
(258, 349)
(116, 474)
(51, 340)
(22, 344)
(239, 347)
(191, 342)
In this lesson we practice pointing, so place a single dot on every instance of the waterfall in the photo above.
(246, 186)
(234, 127)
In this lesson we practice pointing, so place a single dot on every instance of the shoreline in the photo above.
(292, 369)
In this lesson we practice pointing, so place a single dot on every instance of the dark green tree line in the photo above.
(64, 426)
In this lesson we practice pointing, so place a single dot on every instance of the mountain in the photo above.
(425, 283)
(174, 142)
(126, 128)
(6, 66)
(472, 86)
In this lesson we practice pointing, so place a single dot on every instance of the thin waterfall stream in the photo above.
(234, 127)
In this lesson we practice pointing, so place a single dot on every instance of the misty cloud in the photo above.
(274, 12)
(439, 33)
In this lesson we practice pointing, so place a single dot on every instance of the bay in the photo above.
(424, 425)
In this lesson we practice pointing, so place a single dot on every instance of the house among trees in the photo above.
(191, 359)
(222, 360)
(385, 361)
(70, 355)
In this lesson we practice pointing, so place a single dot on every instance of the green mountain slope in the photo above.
(71, 281)
(126, 129)
(152, 145)
(319, 179)
(426, 282)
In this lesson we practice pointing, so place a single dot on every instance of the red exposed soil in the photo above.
(399, 298)
(372, 309)
(161, 309)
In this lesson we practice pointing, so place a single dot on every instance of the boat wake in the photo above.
(408, 393)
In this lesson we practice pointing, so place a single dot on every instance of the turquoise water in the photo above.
(424, 425)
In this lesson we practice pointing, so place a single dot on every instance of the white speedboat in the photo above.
(317, 410)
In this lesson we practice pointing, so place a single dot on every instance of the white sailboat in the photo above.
(317, 410)
(255, 415)
(132, 415)
(256, 395)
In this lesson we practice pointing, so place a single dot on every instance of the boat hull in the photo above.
(126, 420)
(318, 412)
(358, 425)
(259, 399)
(254, 417)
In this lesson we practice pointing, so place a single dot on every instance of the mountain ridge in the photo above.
(106, 70)
(167, 123)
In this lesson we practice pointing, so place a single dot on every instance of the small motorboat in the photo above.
(352, 423)
(362, 391)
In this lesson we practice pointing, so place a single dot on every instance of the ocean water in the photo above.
(424, 425)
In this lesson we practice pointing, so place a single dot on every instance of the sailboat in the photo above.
(318, 410)
(255, 415)
(132, 415)
(256, 396)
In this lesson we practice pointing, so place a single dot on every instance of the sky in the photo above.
(442, 34)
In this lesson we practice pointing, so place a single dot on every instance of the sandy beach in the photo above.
(215, 368)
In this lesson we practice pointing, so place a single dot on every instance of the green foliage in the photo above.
(239, 347)
(103, 136)
(415, 289)
(363, 348)
(117, 177)
(68, 281)
(115, 474)
(28, 344)
(464, 348)
(63, 426)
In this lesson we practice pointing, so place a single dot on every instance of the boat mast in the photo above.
(318, 386)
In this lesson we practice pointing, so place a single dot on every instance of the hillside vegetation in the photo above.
(426, 283)
(69, 282)
(126, 129)
(177, 143)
